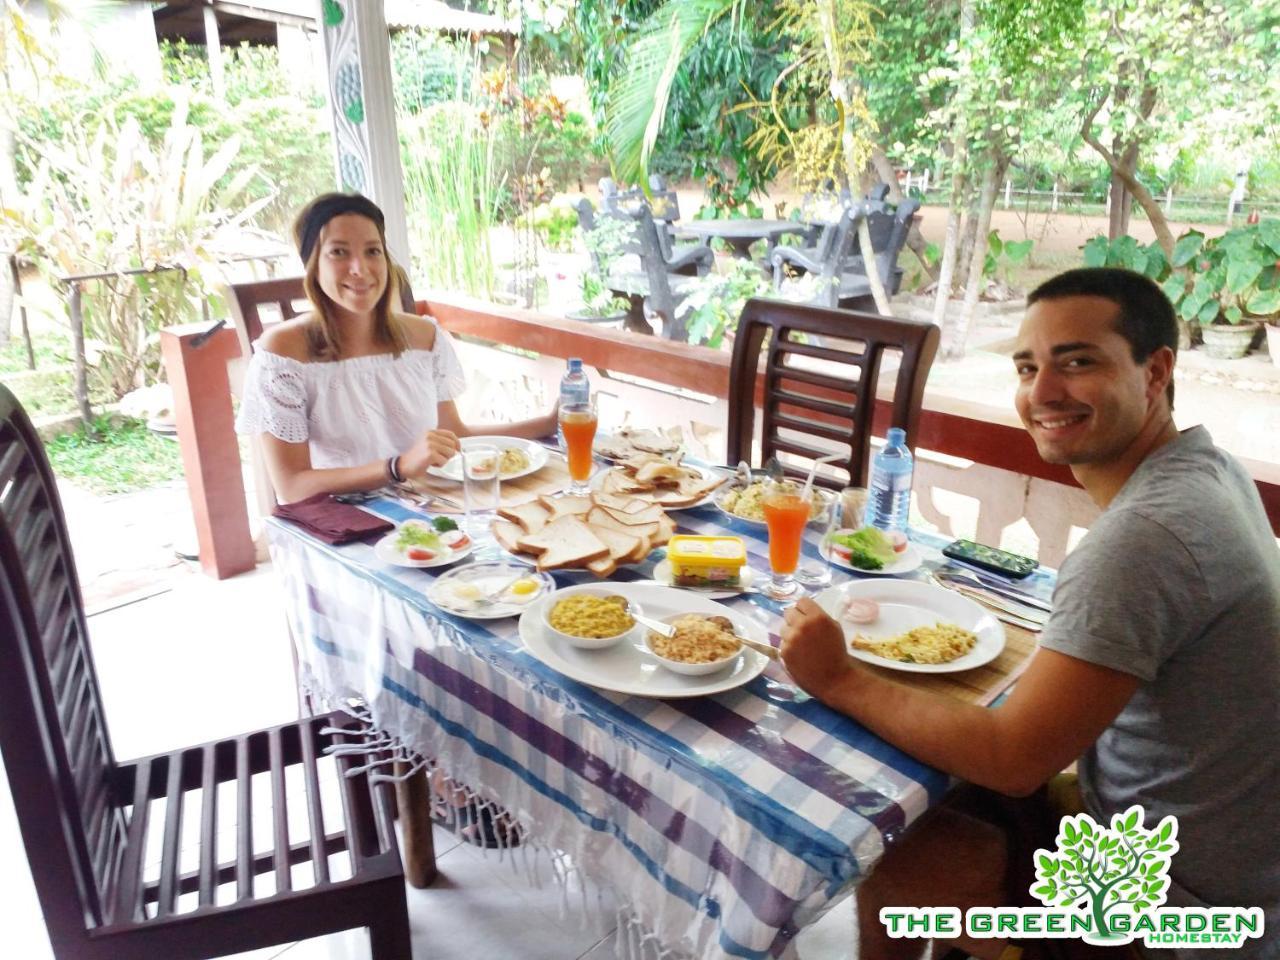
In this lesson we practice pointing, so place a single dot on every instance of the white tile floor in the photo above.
(212, 660)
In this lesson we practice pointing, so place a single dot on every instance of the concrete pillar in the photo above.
(213, 50)
(357, 52)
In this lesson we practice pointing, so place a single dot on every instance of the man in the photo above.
(1159, 668)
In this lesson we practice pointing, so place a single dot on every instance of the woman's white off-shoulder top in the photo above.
(350, 411)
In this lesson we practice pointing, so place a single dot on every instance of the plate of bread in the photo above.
(627, 442)
(659, 480)
(598, 533)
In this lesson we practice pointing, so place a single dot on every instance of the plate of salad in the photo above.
(869, 550)
(422, 543)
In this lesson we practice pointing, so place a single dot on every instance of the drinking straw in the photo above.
(808, 484)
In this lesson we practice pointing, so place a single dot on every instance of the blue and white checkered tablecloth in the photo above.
(722, 824)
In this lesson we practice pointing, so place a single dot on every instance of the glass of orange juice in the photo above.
(785, 515)
(578, 426)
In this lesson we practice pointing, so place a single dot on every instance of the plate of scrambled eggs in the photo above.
(516, 458)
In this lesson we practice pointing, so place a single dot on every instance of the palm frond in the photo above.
(637, 102)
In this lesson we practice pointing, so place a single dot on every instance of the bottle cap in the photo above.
(575, 363)
(895, 437)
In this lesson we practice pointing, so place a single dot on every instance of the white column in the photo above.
(1054, 205)
(213, 49)
(1008, 193)
(357, 51)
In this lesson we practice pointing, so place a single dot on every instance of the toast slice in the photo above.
(600, 517)
(507, 534)
(666, 530)
(564, 542)
(660, 473)
(621, 545)
(604, 567)
(651, 513)
(531, 516)
(565, 506)
(620, 501)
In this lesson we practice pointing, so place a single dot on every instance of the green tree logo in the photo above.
(1104, 872)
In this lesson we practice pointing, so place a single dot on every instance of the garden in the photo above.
(1148, 127)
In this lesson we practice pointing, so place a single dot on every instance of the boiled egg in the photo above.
(523, 589)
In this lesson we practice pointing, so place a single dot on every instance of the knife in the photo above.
(1026, 617)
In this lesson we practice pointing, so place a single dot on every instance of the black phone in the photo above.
(989, 558)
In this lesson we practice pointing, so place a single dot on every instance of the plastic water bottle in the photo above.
(889, 496)
(574, 388)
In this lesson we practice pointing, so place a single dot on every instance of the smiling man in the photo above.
(1159, 669)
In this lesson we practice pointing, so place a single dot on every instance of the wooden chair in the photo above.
(819, 400)
(660, 283)
(84, 816)
(836, 261)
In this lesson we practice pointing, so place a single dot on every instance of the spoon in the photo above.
(724, 623)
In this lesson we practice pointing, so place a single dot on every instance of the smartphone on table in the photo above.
(1000, 562)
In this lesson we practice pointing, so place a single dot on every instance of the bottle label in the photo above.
(891, 483)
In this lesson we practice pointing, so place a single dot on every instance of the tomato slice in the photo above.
(456, 539)
(420, 553)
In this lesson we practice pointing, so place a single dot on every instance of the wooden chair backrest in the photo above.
(822, 391)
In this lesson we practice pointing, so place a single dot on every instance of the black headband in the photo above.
(324, 210)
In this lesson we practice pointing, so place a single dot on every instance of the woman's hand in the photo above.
(813, 648)
(433, 450)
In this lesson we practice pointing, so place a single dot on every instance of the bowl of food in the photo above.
(746, 501)
(701, 644)
(590, 618)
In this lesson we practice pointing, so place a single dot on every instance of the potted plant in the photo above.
(605, 243)
(1228, 285)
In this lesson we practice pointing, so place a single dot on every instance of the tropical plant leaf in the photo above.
(1209, 312)
(1095, 251)
(1269, 231)
(1186, 247)
(1264, 303)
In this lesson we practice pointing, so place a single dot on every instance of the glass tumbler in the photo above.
(578, 426)
(785, 517)
(481, 487)
(845, 514)
(815, 572)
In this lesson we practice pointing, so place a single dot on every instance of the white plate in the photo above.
(628, 667)
(719, 493)
(536, 452)
(597, 480)
(486, 576)
(387, 551)
(609, 438)
(908, 560)
(906, 604)
(662, 574)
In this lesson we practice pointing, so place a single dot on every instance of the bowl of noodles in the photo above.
(590, 618)
(701, 644)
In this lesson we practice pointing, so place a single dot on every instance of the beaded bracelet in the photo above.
(393, 469)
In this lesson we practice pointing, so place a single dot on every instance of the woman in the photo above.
(355, 394)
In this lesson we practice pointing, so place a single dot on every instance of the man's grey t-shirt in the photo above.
(1178, 584)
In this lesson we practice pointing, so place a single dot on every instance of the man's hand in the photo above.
(433, 450)
(813, 649)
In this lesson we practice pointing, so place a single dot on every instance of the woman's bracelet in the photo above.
(393, 469)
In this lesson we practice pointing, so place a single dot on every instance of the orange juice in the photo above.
(579, 428)
(785, 514)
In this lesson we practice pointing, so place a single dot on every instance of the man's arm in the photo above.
(1059, 707)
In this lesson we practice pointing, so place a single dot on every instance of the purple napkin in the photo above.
(326, 519)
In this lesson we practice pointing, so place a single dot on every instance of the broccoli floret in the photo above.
(869, 548)
(444, 524)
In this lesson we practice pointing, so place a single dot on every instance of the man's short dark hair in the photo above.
(1146, 319)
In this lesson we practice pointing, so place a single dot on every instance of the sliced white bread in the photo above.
(666, 529)
(620, 502)
(564, 542)
(601, 517)
(565, 506)
(507, 534)
(531, 516)
(650, 514)
(621, 545)
(660, 473)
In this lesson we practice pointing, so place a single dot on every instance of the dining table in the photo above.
(740, 234)
(722, 824)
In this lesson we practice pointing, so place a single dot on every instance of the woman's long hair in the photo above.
(324, 338)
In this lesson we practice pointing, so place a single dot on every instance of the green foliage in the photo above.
(50, 349)
(1004, 255)
(716, 301)
(430, 69)
(451, 186)
(605, 243)
(1229, 279)
(117, 457)
(105, 200)
(556, 222)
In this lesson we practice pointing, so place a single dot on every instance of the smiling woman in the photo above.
(355, 394)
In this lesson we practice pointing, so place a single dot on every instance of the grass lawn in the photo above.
(123, 457)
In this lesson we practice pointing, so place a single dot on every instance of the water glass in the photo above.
(785, 517)
(578, 427)
(815, 572)
(846, 513)
(481, 489)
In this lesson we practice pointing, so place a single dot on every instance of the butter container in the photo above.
(706, 561)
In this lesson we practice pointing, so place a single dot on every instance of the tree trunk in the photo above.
(959, 169)
(968, 237)
(871, 264)
(953, 340)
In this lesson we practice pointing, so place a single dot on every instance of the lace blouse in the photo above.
(350, 411)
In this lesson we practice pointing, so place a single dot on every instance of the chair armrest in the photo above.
(699, 254)
(804, 257)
